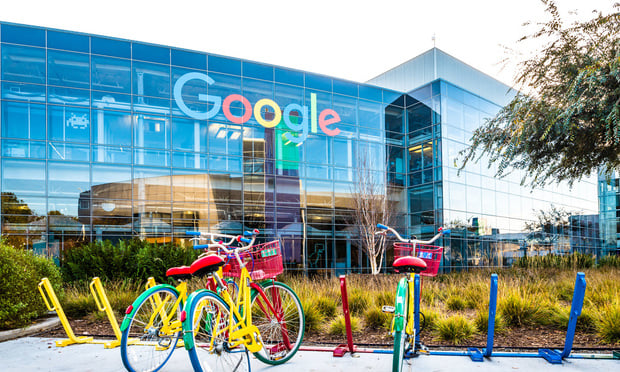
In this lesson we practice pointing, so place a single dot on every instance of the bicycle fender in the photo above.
(400, 307)
(188, 340)
(139, 300)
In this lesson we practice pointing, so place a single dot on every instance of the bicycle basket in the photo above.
(263, 261)
(429, 253)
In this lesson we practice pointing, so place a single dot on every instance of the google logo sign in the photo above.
(324, 120)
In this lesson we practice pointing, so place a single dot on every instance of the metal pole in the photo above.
(575, 310)
(416, 283)
(491, 321)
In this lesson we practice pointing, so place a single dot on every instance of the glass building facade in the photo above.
(105, 138)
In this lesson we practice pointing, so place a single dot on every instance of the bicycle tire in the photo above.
(144, 355)
(283, 331)
(400, 332)
(206, 337)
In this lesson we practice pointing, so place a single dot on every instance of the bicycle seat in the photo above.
(409, 264)
(181, 272)
(206, 265)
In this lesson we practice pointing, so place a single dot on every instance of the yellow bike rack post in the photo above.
(46, 287)
(104, 305)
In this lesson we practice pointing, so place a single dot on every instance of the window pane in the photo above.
(189, 135)
(67, 41)
(69, 124)
(68, 69)
(23, 35)
(151, 131)
(23, 177)
(112, 128)
(62, 151)
(23, 149)
(67, 179)
(23, 92)
(111, 74)
(23, 120)
(225, 139)
(151, 80)
(24, 64)
(105, 154)
(111, 181)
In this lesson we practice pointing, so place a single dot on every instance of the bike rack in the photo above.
(46, 290)
(342, 349)
(104, 305)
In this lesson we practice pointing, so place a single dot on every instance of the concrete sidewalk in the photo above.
(40, 354)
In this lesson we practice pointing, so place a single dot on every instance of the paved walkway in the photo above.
(40, 354)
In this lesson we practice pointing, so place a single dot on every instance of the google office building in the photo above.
(105, 138)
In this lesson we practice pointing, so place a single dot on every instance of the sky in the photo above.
(353, 40)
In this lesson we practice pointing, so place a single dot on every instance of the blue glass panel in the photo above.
(344, 152)
(150, 53)
(23, 177)
(67, 41)
(285, 95)
(225, 65)
(112, 128)
(225, 139)
(345, 87)
(370, 93)
(23, 120)
(110, 178)
(224, 163)
(188, 59)
(224, 85)
(151, 105)
(151, 183)
(189, 135)
(111, 74)
(112, 101)
(67, 179)
(66, 151)
(23, 149)
(258, 71)
(346, 108)
(151, 80)
(68, 96)
(420, 94)
(23, 92)
(23, 64)
(318, 82)
(110, 47)
(391, 97)
(23, 35)
(189, 160)
(158, 158)
(286, 76)
(107, 154)
(68, 69)
(151, 131)
(69, 124)
(190, 93)
(318, 149)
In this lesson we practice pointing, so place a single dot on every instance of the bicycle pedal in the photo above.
(388, 309)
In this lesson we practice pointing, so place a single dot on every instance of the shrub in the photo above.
(518, 309)
(610, 261)
(327, 306)
(455, 329)
(608, 323)
(481, 321)
(455, 303)
(385, 298)
(359, 300)
(428, 319)
(338, 326)
(552, 261)
(21, 271)
(314, 317)
(374, 317)
(133, 259)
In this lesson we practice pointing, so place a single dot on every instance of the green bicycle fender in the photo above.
(400, 305)
(138, 301)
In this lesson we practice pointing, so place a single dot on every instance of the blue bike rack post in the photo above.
(475, 354)
(554, 356)
(416, 284)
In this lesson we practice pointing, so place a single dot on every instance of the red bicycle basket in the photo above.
(429, 253)
(263, 261)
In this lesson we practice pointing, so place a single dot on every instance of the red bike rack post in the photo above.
(342, 349)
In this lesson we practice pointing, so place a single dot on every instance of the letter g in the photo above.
(216, 100)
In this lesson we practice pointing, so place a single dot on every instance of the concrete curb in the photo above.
(30, 330)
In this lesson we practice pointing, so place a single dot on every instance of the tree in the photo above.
(567, 124)
(371, 206)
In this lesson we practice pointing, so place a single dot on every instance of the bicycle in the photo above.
(412, 261)
(265, 319)
(152, 327)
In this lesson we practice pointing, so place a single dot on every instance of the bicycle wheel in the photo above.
(401, 338)
(209, 349)
(278, 314)
(145, 346)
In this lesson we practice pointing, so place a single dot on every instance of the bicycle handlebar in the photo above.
(225, 246)
(442, 231)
